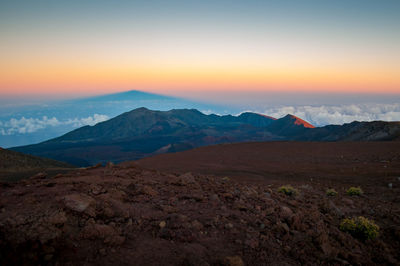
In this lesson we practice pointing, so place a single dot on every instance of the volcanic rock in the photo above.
(80, 203)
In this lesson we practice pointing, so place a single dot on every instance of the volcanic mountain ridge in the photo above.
(142, 133)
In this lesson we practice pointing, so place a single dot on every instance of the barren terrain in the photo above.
(15, 166)
(372, 164)
(226, 211)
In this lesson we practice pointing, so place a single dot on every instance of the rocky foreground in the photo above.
(127, 215)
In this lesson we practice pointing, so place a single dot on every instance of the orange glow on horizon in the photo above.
(72, 78)
(68, 48)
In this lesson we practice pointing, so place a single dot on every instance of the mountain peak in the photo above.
(140, 109)
(298, 121)
(256, 114)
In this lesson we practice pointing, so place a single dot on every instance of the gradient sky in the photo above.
(188, 47)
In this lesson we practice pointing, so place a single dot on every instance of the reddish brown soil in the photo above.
(330, 163)
(129, 215)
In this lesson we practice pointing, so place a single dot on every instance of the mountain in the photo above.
(23, 124)
(355, 131)
(143, 132)
(289, 125)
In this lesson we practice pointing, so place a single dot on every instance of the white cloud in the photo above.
(91, 120)
(30, 125)
(339, 114)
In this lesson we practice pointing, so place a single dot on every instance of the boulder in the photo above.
(80, 203)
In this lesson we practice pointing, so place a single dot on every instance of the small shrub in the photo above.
(331, 192)
(354, 191)
(287, 190)
(226, 178)
(360, 227)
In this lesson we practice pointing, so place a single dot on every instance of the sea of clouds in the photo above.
(318, 115)
(29, 125)
(338, 114)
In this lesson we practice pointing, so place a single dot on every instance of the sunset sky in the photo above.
(181, 48)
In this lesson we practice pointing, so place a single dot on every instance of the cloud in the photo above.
(30, 125)
(91, 120)
(339, 114)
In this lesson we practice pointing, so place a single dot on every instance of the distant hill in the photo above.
(19, 161)
(289, 125)
(143, 132)
(73, 113)
(15, 165)
(355, 131)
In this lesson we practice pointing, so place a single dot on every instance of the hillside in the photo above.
(12, 160)
(355, 131)
(143, 133)
(16, 165)
(132, 214)
(326, 162)
(73, 113)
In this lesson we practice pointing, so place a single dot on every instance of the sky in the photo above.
(200, 49)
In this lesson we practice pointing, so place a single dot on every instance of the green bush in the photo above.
(360, 227)
(287, 190)
(331, 192)
(354, 191)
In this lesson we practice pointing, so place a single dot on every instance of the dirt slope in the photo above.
(15, 165)
(367, 163)
(127, 215)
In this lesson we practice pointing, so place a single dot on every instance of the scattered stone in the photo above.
(97, 190)
(80, 203)
(38, 176)
(58, 218)
(228, 226)
(307, 186)
(108, 212)
(348, 202)
(48, 257)
(58, 176)
(390, 185)
(147, 190)
(234, 261)
(240, 206)
(141, 216)
(165, 233)
(187, 178)
(285, 227)
(323, 241)
(214, 197)
(104, 232)
(102, 252)
(286, 213)
(110, 165)
(130, 222)
(197, 225)
(94, 166)
(334, 209)
(227, 195)
(48, 249)
(252, 243)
